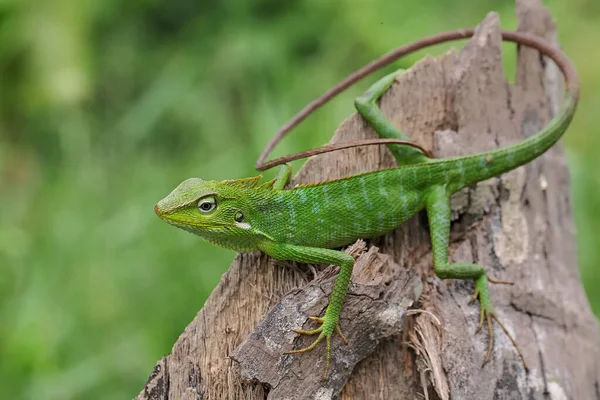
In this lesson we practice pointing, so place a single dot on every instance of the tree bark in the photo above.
(518, 225)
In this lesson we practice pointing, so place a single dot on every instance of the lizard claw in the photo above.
(491, 316)
(486, 314)
(491, 280)
(475, 296)
(314, 332)
(339, 332)
(308, 333)
(323, 334)
(481, 318)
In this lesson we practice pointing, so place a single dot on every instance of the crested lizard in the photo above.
(308, 222)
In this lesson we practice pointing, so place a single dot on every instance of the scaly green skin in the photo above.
(305, 223)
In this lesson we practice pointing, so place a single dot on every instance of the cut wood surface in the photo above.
(519, 226)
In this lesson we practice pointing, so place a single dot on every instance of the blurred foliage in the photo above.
(106, 105)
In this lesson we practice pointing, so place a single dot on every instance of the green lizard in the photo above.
(306, 223)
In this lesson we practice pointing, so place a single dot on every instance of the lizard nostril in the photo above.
(157, 210)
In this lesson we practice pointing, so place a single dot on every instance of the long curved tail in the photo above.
(521, 38)
(478, 167)
(482, 166)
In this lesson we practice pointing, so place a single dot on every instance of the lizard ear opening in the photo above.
(239, 217)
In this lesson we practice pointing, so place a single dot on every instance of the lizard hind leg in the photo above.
(366, 105)
(486, 310)
(438, 212)
(283, 177)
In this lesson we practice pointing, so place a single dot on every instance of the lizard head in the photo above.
(217, 211)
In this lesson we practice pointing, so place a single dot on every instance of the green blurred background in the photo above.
(106, 105)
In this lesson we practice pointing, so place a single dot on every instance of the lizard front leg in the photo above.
(438, 212)
(315, 255)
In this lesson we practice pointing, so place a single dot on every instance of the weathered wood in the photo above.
(519, 226)
(380, 289)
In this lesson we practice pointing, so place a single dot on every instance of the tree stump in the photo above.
(519, 226)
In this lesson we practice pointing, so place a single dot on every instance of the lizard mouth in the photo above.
(186, 223)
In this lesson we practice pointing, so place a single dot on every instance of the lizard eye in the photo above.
(207, 204)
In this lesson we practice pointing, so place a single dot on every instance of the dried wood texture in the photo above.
(380, 295)
(519, 226)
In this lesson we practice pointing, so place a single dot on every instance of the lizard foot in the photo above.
(324, 333)
(486, 314)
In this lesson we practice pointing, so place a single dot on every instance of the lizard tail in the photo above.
(471, 169)
(482, 166)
